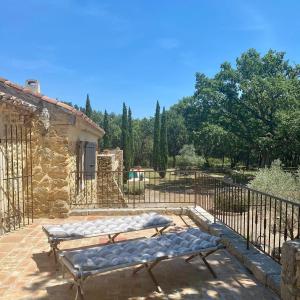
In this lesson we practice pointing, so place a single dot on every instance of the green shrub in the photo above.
(134, 188)
(188, 158)
(231, 202)
(240, 178)
(218, 162)
(277, 182)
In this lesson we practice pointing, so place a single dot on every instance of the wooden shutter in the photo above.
(90, 160)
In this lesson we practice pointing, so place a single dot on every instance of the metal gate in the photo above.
(16, 196)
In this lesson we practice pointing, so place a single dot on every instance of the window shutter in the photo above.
(90, 160)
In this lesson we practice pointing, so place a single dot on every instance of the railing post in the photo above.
(133, 187)
(248, 219)
(215, 199)
(195, 189)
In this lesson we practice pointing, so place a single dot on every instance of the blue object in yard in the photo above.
(132, 175)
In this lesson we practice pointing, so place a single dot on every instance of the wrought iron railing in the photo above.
(263, 220)
(16, 192)
(133, 189)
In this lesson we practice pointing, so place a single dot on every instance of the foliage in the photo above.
(134, 188)
(210, 140)
(248, 108)
(106, 138)
(277, 182)
(143, 141)
(156, 138)
(125, 139)
(88, 107)
(188, 158)
(163, 159)
(247, 113)
(231, 201)
(177, 133)
(130, 139)
(241, 178)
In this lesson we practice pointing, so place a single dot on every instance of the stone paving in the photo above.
(26, 272)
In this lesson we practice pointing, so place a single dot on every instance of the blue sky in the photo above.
(136, 51)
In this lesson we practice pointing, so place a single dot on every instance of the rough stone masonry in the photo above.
(290, 272)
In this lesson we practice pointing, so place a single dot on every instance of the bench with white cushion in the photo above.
(111, 227)
(144, 253)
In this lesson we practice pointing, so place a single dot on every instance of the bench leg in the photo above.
(203, 257)
(79, 290)
(111, 239)
(208, 266)
(53, 250)
(186, 224)
(138, 269)
(149, 268)
(191, 257)
(159, 232)
(158, 288)
(79, 294)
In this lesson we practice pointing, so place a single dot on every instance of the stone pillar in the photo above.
(290, 271)
(110, 178)
(51, 159)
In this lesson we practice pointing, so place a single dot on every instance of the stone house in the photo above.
(44, 143)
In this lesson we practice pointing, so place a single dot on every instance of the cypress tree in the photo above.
(88, 107)
(163, 162)
(156, 139)
(130, 138)
(106, 138)
(124, 127)
(124, 139)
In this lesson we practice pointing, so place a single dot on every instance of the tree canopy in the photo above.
(241, 112)
(248, 112)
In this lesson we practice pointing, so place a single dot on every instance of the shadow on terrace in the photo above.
(28, 273)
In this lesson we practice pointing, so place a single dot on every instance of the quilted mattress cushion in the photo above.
(139, 251)
(106, 226)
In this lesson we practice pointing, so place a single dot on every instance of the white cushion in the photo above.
(139, 251)
(106, 226)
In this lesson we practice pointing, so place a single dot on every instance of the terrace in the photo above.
(255, 227)
(28, 273)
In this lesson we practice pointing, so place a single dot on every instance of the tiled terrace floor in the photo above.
(26, 272)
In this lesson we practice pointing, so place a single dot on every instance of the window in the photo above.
(85, 162)
(89, 160)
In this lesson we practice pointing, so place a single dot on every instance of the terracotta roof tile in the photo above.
(49, 100)
(52, 101)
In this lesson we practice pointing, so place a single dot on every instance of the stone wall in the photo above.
(290, 272)
(110, 178)
(53, 151)
(51, 167)
(15, 172)
(55, 164)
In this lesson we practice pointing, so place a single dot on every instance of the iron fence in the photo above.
(16, 199)
(263, 220)
(133, 189)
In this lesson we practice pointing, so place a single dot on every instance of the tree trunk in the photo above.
(248, 162)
